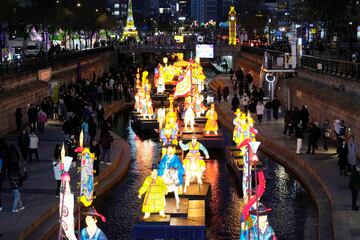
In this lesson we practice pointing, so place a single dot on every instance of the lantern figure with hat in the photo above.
(211, 122)
(92, 231)
(155, 190)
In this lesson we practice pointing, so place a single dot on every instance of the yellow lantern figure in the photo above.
(211, 123)
(171, 118)
(232, 26)
(155, 190)
(240, 126)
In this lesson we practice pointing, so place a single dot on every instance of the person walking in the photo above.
(235, 102)
(100, 112)
(245, 102)
(32, 117)
(57, 170)
(342, 151)
(61, 109)
(354, 185)
(33, 146)
(96, 150)
(105, 141)
(85, 129)
(326, 131)
(268, 107)
(18, 119)
(92, 129)
(42, 119)
(275, 103)
(260, 110)
(16, 184)
(317, 132)
(23, 143)
(288, 123)
(299, 134)
(226, 93)
(304, 116)
(353, 148)
(311, 138)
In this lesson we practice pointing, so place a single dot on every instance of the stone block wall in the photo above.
(20, 98)
(23, 89)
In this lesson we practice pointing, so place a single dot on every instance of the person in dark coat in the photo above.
(313, 135)
(240, 81)
(235, 102)
(18, 119)
(32, 117)
(342, 152)
(100, 112)
(92, 129)
(275, 107)
(219, 94)
(304, 116)
(96, 150)
(268, 107)
(354, 185)
(23, 143)
(105, 140)
(226, 93)
(288, 123)
(317, 132)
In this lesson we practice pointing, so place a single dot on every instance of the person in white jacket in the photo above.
(33, 146)
(260, 110)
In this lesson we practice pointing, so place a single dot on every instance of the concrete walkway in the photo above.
(319, 173)
(39, 190)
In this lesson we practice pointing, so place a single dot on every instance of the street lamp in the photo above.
(78, 4)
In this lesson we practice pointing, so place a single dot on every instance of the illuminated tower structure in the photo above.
(232, 26)
(130, 29)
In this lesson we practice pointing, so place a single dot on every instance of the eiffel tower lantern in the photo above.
(232, 26)
(129, 30)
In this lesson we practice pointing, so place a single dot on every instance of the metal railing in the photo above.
(35, 64)
(324, 65)
(330, 66)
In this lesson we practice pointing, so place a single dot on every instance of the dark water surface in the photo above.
(291, 204)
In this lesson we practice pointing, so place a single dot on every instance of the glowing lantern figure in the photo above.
(189, 115)
(155, 189)
(67, 208)
(193, 163)
(232, 26)
(211, 122)
(172, 171)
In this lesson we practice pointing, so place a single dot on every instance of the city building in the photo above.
(204, 10)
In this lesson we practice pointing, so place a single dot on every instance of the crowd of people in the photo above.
(79, 108)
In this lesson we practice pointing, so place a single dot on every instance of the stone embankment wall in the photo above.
(327, 96)
(23, 89)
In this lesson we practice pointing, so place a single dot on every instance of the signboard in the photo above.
(45, 74)
(358, 32)
(205, 50)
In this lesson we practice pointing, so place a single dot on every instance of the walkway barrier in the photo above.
(35, 64)
(330, 66)
(327, 66)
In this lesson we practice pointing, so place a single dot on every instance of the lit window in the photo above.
(116, 13)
